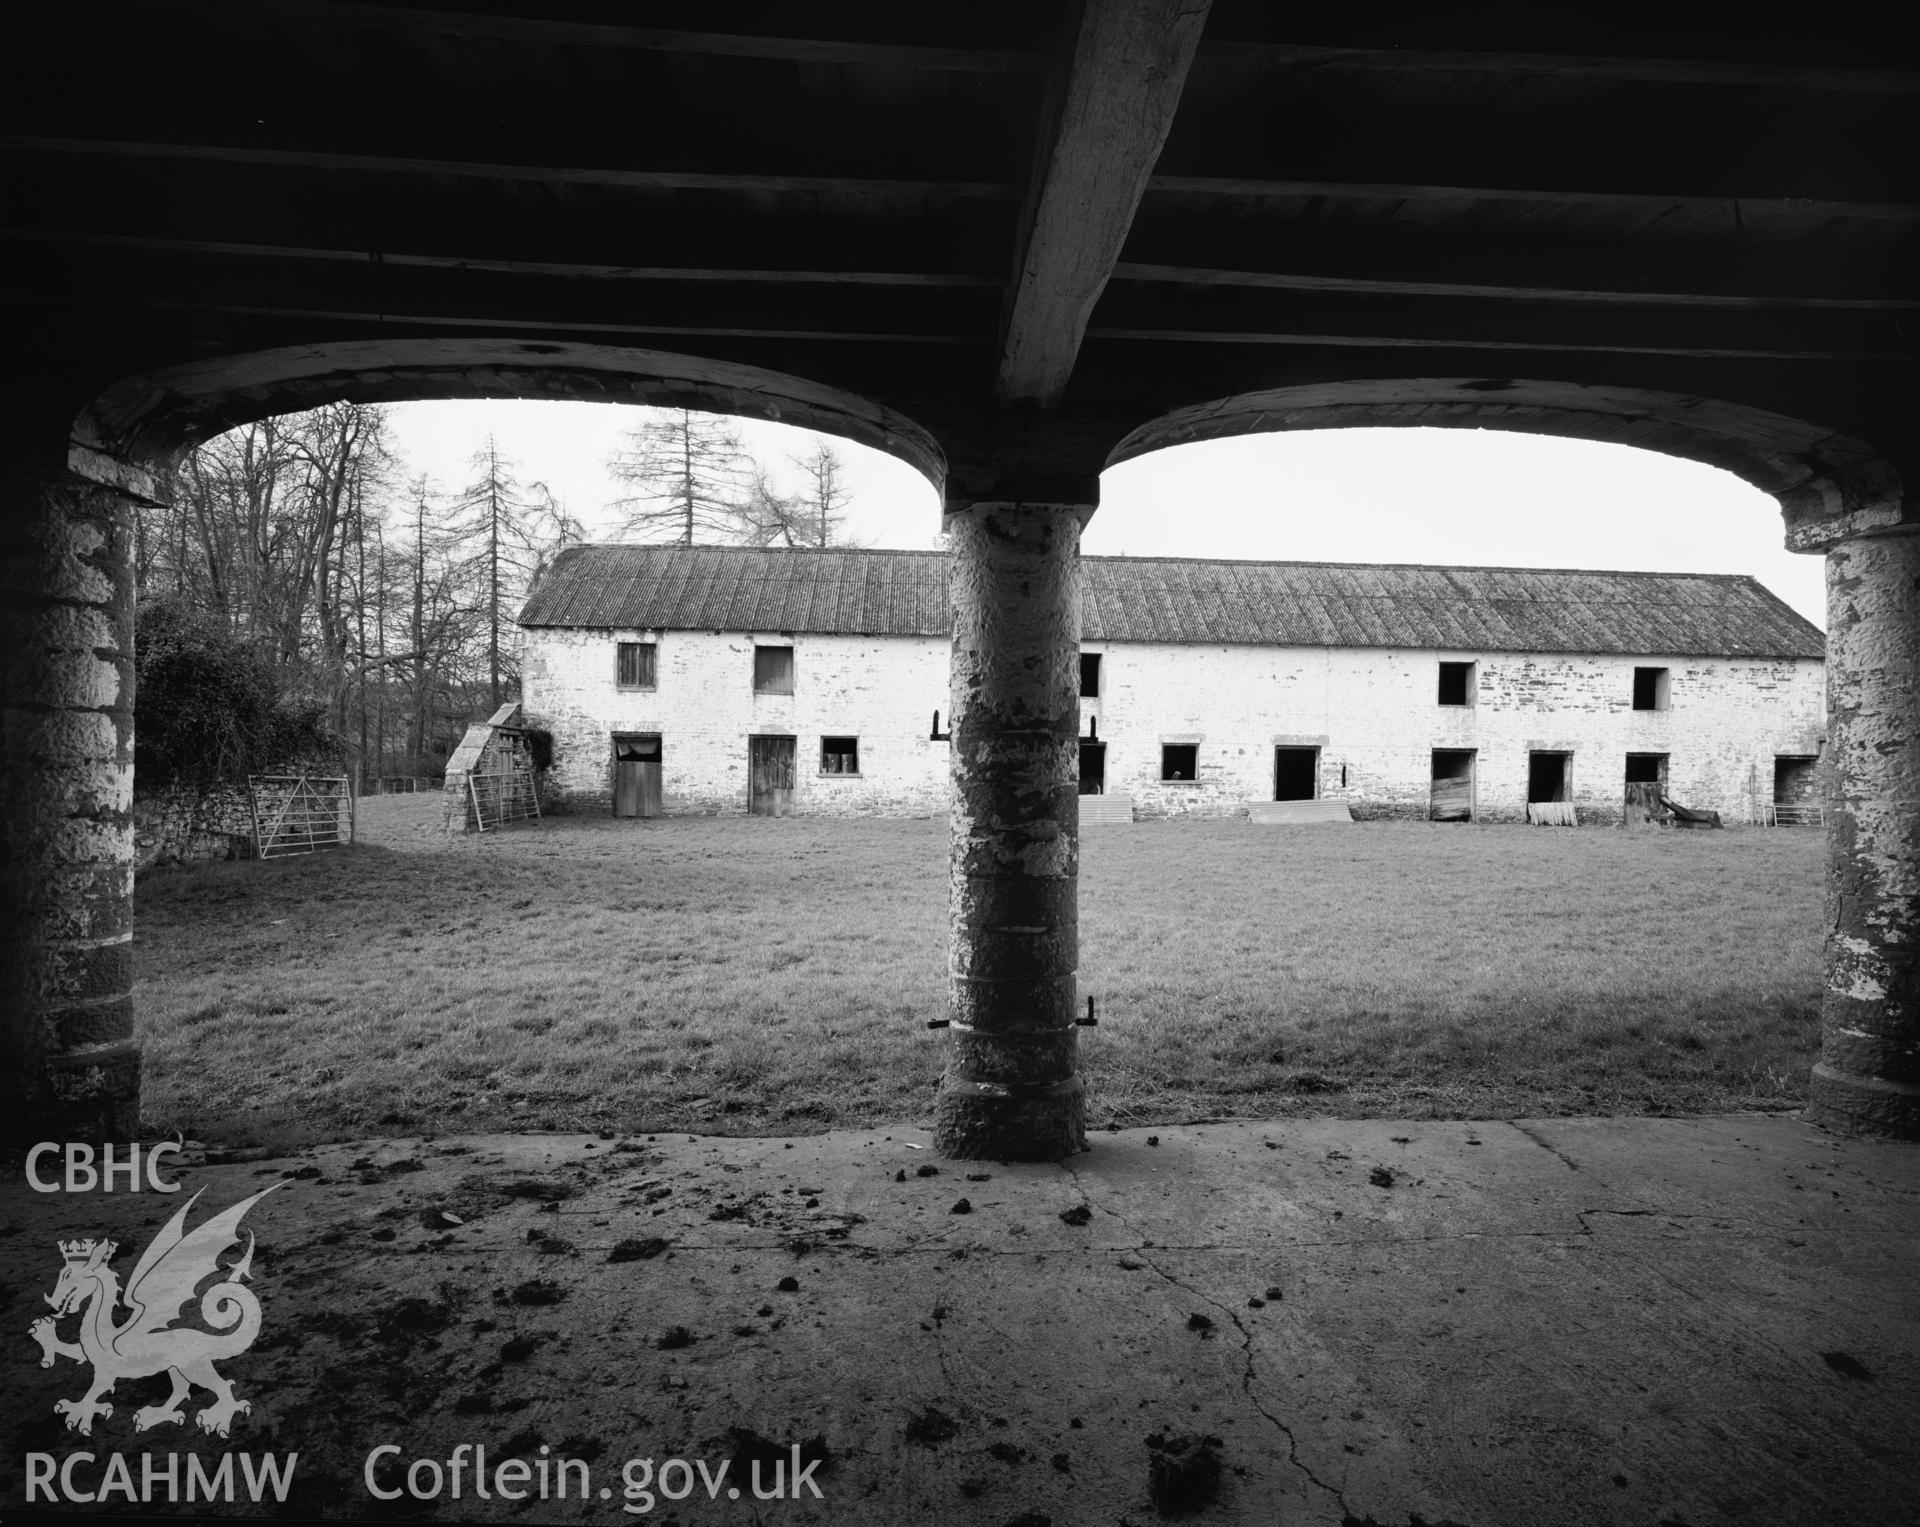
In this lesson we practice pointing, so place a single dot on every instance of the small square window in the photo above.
(1649, 689)
(1456, 683)
(1089, 675)
(839, 755)
(634, 665)
(1179, 760)
(773, 670)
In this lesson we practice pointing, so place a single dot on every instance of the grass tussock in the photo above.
(750, 975)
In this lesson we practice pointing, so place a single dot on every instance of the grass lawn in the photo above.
(746, 975)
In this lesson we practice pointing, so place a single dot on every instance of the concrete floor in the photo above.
(1561, 1321)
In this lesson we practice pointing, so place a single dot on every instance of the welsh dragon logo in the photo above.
(170, 1271)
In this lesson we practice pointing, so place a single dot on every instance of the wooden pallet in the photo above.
(1105, 810)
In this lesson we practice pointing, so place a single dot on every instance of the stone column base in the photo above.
(1863, 1105)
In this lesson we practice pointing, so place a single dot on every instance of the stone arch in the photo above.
(149, 417)
(1826, 482)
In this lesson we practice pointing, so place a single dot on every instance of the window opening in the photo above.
(634, 665)
(1456, 683)
(839, 755)
(1646, 768)
(1179, 760)
(773, 670)
(1089, 675)
(1649, 689)
(1549, 777)
(1452, 798)
(1296, 774)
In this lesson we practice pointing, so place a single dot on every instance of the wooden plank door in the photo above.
(636, 775)
(770, 776)
(649, 768)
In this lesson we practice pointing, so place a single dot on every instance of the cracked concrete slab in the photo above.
(1576, 1321)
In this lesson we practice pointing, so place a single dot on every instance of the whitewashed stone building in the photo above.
(711, 679)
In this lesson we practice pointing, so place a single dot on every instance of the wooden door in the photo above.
(770, 776)
(636, 775)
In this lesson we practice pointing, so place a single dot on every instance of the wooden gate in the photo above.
(770, 776)
(636, 775)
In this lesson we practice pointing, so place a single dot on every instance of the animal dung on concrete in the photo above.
(1079, 1214)
(637, 1250)
(962, 1206)
(1183, 1472)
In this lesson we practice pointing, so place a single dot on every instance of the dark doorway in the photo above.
(1452, 799)
(636, 775)
(1093, 768)
(1296, 774)
(1796, 790)
(1549, 777)
(1646, 784)
(770, 776)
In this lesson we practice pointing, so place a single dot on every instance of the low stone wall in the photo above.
(187, 826)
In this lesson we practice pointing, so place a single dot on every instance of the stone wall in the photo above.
(1373, 713)
(881, 690)
(179, 825)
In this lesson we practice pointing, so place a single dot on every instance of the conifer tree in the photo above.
(691, 480)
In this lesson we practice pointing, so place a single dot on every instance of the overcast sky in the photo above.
(1456, 497)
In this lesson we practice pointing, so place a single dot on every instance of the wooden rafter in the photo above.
(1114, 108)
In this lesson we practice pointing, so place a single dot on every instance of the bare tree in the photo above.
(809, 519)
(691, 480)
(823, 497)
(509, 530)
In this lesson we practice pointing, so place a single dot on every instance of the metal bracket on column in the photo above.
(1013, 1090)
(968, 1028)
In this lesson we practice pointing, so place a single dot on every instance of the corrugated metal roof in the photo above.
(1174, 599)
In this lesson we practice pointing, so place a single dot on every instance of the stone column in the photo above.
(1011, 1091)
(68, 1065)
(1868, 1078)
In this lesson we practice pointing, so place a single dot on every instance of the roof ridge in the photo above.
(880, 591)
(1426, 567)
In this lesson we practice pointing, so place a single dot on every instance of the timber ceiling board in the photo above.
(849, 193)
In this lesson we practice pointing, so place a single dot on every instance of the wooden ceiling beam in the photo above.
(1260, 189)
(1246, 54)
(1183, 338)
(531, 325)
(400, 291)
(572, 270)
(338, 15)
(1272, 280)
(543, 174)
(1108, 117)
(1142, 308)
(1868, 263)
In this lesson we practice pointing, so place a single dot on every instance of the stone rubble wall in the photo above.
(184, 825)
(882, 690)
(1373, 713)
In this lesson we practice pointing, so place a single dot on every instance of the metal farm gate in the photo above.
(502, 797)
(299, 813)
